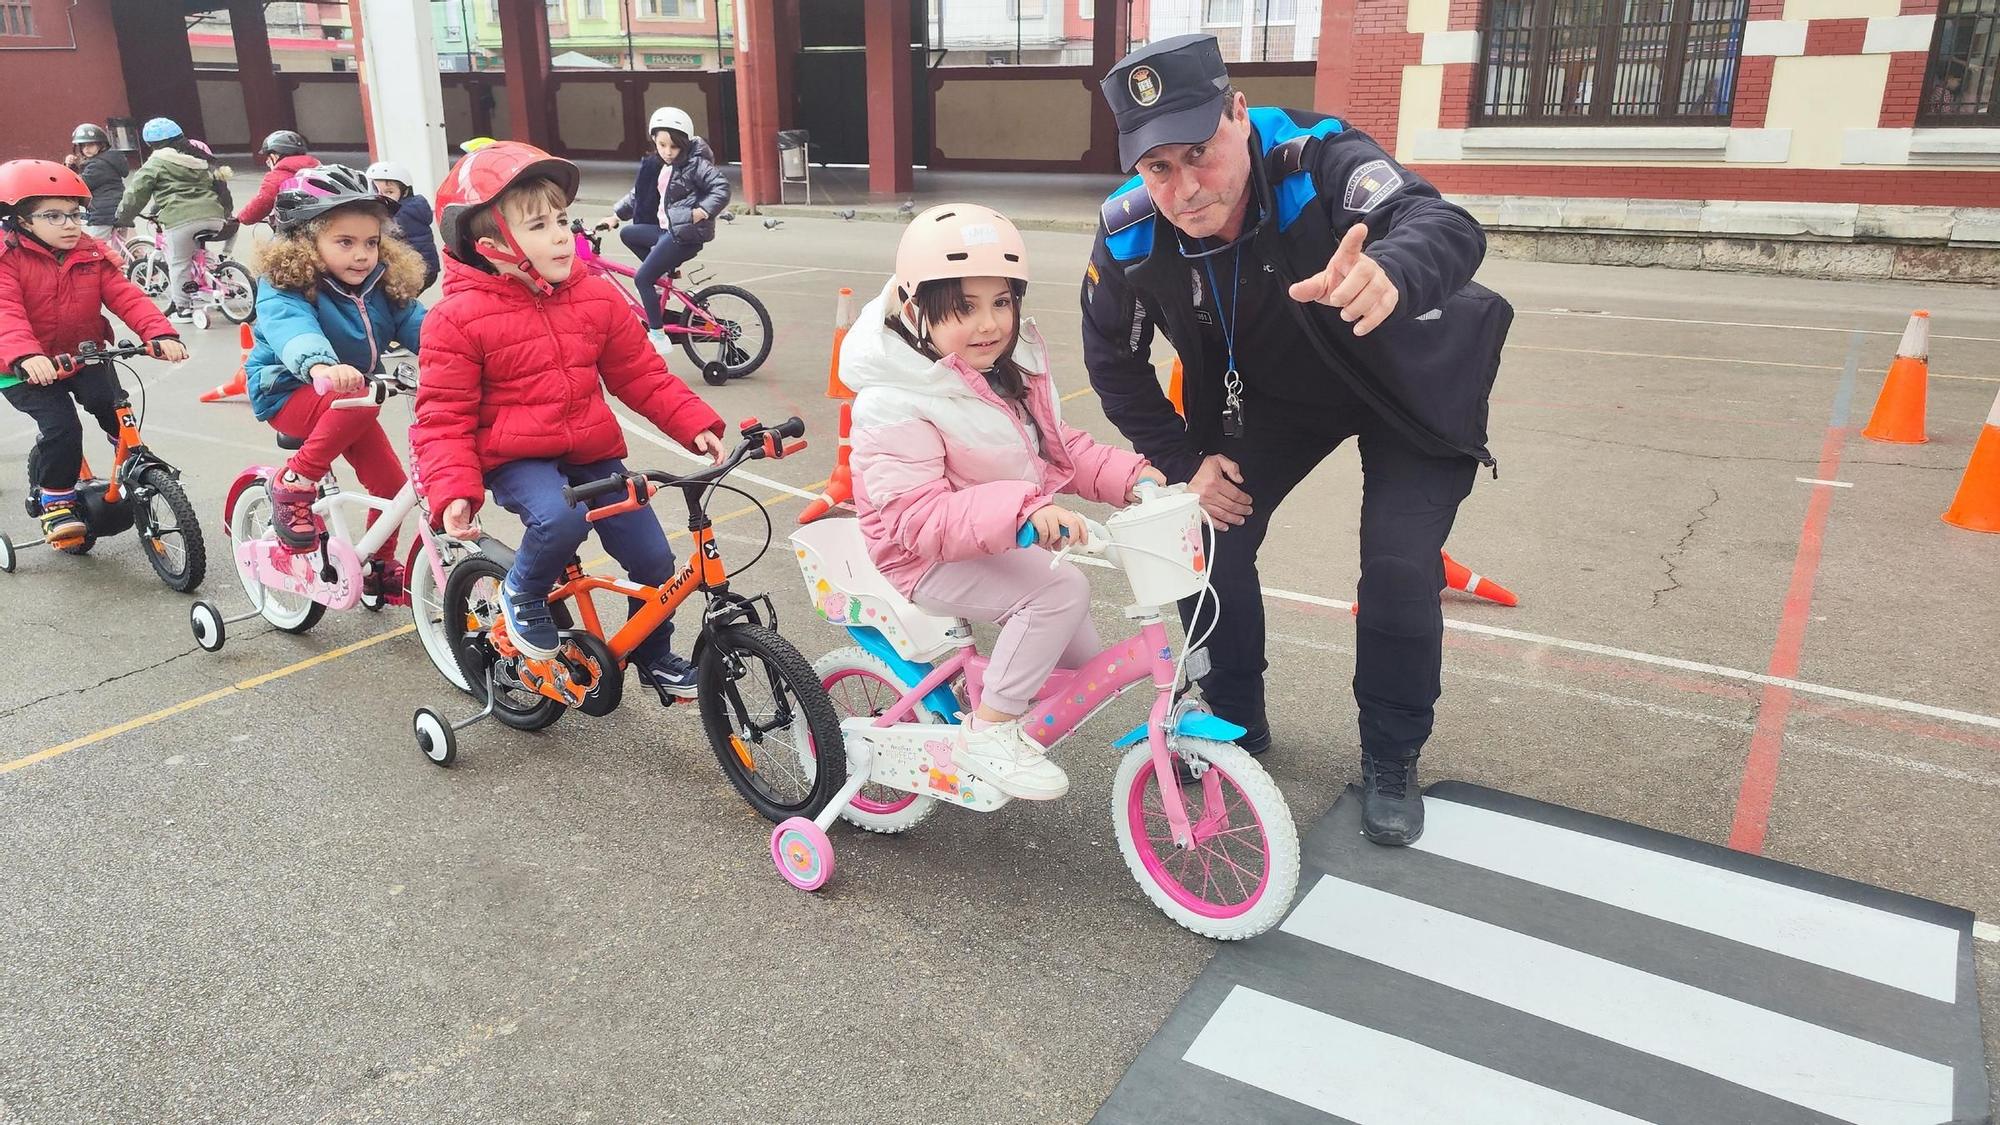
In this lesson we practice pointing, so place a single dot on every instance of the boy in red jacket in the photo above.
(55, 282)
(515, 360)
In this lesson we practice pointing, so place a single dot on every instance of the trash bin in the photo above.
(792, 153)
(124, 133)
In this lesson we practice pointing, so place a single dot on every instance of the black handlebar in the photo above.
(759, 441)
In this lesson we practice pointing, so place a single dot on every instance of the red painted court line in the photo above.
(1760, 770)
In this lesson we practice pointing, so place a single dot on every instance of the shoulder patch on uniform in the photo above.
(1127, 206)
(1370, 184)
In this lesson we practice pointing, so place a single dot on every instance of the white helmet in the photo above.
(671, 117)
(391, 171)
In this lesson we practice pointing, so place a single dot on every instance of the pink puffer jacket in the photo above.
(944, 469)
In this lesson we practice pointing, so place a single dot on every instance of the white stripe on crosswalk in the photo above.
(1767, 1051)
(1367, 1076)
(1901, 952)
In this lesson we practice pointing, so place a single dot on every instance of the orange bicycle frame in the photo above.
(703, 569)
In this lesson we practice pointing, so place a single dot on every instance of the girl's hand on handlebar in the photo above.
(1148, 473)
(173, 351)
(607, 224)
(1052, 523)
(458, 520)
(706, 442)
(39, 370)
(345, 379)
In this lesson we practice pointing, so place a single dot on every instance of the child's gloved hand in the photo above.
(1145, 474)
(173, 351)
(39, 370)
(706, 442)
(458, 520)
(1052, 523)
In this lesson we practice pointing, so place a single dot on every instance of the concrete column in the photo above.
(757, 65)
(404, 93)
(887, 38)
(788, 61)
(1107, 46)
(263, 103)
(159, 67)
(524, 51)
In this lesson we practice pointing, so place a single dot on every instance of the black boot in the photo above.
(1392, 813)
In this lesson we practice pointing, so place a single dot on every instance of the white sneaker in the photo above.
(1011, 762)
(659, 339)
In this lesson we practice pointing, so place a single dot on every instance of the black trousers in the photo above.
(1409, 499)
(57, 457)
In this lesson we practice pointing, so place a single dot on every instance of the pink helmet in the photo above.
(956, 240)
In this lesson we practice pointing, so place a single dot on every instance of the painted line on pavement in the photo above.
(1897, 332)
(1760, 768)
(1827, 483)
(310, 662)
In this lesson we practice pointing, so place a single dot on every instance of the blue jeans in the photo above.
(661, 254)
(552, 531)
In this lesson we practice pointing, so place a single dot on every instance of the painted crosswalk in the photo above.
(1526, 963)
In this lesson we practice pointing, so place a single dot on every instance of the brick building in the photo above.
(1846, 136)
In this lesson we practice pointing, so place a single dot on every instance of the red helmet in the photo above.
(478, 179)
(31, 179)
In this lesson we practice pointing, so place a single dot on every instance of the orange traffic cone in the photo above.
(843, 319)
(1977, 505)
(1174, 390)
(1899, 409)
(1457, 577)
(239, 383)
(839, 487)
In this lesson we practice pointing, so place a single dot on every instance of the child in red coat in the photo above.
(516, 359)
(55, 283)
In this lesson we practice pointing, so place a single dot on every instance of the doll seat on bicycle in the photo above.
(848, 590)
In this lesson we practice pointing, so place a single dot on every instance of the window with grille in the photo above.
(1610, 62)
(17, 18)
(1960, 86)
(670, 9)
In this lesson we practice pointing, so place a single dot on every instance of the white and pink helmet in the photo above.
(956, 240)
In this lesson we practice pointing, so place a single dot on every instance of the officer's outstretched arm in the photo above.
(1117, 352)
(1429, 247)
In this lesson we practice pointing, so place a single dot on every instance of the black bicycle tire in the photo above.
(736, 371)
(822, 721)
(161, 482)
(474, 654)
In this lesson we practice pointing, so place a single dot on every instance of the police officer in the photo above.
(1315, 290)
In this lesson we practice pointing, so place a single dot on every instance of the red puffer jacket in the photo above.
(509, 376)
(259, 207)
(49, 307)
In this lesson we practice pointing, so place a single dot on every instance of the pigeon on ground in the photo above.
(773, 224)
(845, 213)
(909, 207)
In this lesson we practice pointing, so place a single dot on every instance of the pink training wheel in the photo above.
(803, 853)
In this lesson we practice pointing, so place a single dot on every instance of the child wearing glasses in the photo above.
(55, 283)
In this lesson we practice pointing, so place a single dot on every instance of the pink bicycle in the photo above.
(724, 329)
(221, 283)
(1202, 827)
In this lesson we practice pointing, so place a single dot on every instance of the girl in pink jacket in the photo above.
(958, 441)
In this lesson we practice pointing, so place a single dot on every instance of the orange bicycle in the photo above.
(762, 705)
(143, 492)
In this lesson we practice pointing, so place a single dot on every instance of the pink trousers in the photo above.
(1044, 617)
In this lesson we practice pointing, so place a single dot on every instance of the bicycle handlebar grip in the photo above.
(793, 427)
(574, 494)
(1027, 536)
